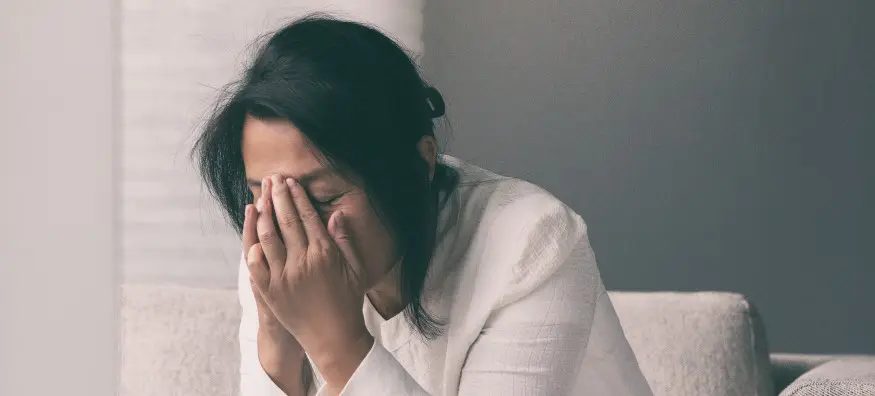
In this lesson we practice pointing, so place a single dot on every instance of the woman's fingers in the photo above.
(259, 280)
(345, 243)
(259, 272)
(250, 235)
(315, 230)
(250, 239)
(287, 217)
(268, 236)
(264, 313)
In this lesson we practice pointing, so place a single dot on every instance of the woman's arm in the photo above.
(537, 346)
(531, 347)
(254, 381)
(535, 343)
(561, 338)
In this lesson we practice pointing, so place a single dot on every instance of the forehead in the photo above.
(276, 146)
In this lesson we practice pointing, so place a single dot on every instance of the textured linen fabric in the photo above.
(787, 367)
(178, 341)
(842, 377)
(517, 282)
(697, 343)
(181, 341)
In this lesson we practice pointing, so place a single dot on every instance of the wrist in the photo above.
(339, 358)
(289, 377)
(282, 358)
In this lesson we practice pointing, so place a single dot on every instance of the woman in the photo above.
(371, 264)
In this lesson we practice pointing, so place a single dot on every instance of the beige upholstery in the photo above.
(182, 341)
(841, 377)
(179, 341)
(788, 367)
(693, 344)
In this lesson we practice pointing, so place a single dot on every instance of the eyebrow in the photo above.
(303, 179)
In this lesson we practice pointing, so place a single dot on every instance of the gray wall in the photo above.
(709, 145)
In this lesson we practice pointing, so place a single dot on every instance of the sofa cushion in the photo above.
(788, 367)
(183, 341)
(842, 377)
(694, 344)
(179, 341)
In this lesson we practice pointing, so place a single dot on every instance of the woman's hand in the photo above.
(314, 282)
(280, 354)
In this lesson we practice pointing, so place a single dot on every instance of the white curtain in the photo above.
(175, 56)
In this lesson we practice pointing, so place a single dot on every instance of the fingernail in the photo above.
(263, 185)
(291, 182)
(259, 206)
(246, 210)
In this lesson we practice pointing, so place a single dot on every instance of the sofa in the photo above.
(182, 341)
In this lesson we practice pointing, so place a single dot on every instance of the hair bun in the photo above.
(435, 102)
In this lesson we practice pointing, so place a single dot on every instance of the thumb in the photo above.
(259, 272)
(259, 279)
(267, 321)
(264, 312)
(339, 230)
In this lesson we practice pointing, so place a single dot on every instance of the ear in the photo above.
(428, 150)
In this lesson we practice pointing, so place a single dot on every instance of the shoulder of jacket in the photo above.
(528, 232)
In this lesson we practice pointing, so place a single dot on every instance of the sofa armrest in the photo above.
(841, 377)
(787, 367)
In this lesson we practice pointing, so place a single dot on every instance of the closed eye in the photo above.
(327, 201)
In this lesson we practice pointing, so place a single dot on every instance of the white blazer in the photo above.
(516, 282)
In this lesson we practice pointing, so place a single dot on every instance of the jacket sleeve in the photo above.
(535, 341)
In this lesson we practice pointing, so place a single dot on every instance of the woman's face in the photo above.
(277, 147)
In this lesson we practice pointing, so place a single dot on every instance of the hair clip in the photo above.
(435, 102)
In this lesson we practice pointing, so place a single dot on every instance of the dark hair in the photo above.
(360, 99)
